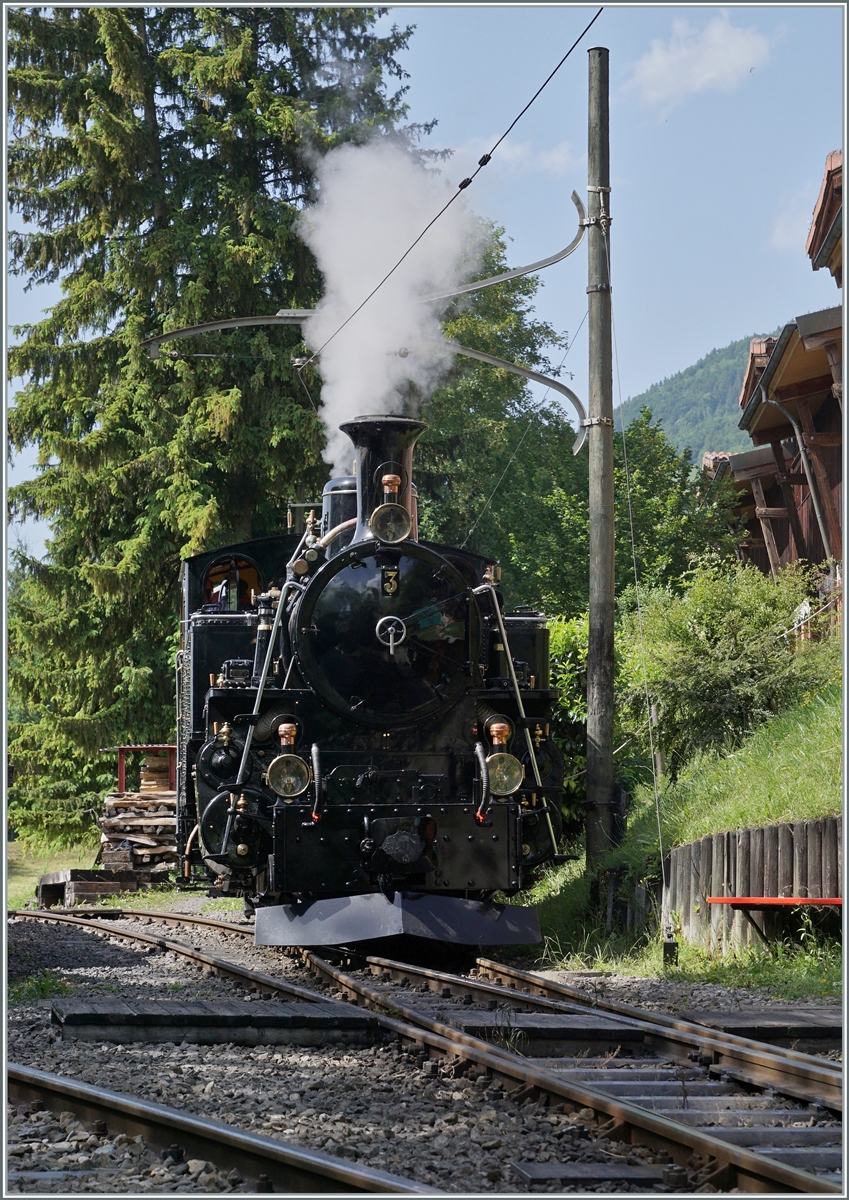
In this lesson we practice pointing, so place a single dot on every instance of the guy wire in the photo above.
(521, 439)
(460, 187)
(634, 561)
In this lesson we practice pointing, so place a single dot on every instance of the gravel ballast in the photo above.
(372, 1106)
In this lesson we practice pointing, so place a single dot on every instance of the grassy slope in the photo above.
(699, 406)
(787, 770)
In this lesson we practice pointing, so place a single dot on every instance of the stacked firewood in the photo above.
(138, 829)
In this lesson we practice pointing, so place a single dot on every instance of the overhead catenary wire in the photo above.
(521, 440)
(482, 162)
(664, 879)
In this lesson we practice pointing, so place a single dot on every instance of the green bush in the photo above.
(714, 658)
(569, 641)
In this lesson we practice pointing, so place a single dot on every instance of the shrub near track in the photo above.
(715, 657)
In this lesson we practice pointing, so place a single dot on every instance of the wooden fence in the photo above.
(803, 859)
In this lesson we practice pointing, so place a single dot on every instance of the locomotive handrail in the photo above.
(269, 654)
(487, 587)
(480, 755)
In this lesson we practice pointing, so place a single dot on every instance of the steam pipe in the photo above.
(334, 533)
(187, 866)
(806, 463)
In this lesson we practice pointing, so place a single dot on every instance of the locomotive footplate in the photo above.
(373, 848)
(347, 919)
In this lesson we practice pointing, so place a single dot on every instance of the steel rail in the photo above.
(288, 1168)
(750, 1171)
(821, 1073)
(803, 1077)
(267, 982)
(823, 1080)
(765, 1066)
(791, 1072)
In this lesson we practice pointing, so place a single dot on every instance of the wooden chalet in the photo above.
(790, 484)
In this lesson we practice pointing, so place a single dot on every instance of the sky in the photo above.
(720, 122)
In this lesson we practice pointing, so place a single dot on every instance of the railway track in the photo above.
(729, 1113)
(269, 1165)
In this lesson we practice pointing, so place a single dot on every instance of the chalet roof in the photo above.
(828, 202)
(797, 368)
(759, 457)
(827, 320)
(760, 348)
(825, 256)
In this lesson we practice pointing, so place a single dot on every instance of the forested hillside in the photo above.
(699, 406)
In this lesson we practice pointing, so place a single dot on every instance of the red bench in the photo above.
(744, 902)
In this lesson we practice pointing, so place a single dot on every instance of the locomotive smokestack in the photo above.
(384, 455)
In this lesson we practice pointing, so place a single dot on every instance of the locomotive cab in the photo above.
(364, 739)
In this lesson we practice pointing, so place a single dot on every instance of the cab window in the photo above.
(230, 583)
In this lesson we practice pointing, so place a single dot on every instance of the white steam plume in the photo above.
(374, 202)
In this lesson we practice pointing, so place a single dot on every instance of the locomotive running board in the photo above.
(361, 918)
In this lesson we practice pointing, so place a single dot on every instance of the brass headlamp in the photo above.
(506, 773)
(288, 775)
(390, 521)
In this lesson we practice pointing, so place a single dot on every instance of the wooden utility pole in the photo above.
(600, 656)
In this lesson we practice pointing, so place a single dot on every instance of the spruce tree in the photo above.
(162, 155)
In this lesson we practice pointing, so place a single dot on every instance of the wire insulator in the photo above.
(483, 161)
(464, 184)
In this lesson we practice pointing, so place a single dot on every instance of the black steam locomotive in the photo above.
(363, 734)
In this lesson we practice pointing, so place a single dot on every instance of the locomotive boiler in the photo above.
(364, 743)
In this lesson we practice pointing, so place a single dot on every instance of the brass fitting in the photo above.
(391, 486)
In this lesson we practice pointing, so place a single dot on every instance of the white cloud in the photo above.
(793, 219)
(519, 156)
(716, 58)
